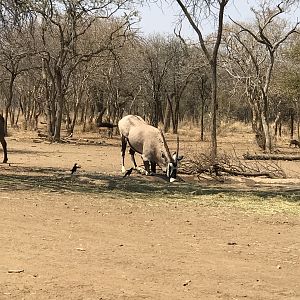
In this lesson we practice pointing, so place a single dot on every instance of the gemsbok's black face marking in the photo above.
(172, 171)
(172, 168)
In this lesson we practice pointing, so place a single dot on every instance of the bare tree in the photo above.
(181, 70)
(64, 24)
(288, 82)
(192, 10)
(157, 61)
(15, 55)
(258, 87)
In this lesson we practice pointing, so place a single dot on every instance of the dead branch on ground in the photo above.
(229, 164)
(249, 156)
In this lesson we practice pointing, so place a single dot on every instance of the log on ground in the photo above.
(249, 156)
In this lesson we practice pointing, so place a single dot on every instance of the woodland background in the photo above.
(85, 64)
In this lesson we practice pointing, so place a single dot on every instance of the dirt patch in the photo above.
(96, 235)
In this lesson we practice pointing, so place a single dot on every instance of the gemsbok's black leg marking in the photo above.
(123, 149)
(153, 167)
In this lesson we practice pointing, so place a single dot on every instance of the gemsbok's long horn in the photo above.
(166, 146)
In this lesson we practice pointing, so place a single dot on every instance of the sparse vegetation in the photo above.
(228, 228)
(98, 69)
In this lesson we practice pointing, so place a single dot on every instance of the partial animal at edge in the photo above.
(150, 142)
(2, 138)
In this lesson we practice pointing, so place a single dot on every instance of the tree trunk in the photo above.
(167, 118)
(298, 120)
(60, 104)
(265, 122)
(254, 111)
(176, 116)
(50, 109)
(292, 125)
(214, 111)
(266, 131)
(76, 108)
(84, 115)
(202, 119)
(12, 117)
(17, 118)
(9, 101)
(277, 120)
(280, 128)
(59, 112)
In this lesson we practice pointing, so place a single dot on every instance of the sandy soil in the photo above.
(96, 235)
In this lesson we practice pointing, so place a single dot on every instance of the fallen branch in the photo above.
(226, 164)
(249, 156)
(246, 174)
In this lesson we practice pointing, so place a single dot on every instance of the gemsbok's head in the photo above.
(171, 161)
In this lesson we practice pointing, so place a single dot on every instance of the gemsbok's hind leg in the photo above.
(132, 152)
(123, 149)
(4, 146)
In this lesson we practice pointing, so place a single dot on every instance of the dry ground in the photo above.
(96, 235)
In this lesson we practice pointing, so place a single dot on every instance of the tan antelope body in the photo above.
(2, 139)
(148, 141)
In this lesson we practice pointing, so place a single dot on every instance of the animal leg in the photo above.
(4, 146)
(147, 167)
(123, 149)
(153, 167)
(132, 152)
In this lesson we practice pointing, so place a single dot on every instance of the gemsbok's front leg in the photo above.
(153, 167)
(123, 150)
(147, 167)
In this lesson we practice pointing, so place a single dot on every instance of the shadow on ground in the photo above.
(61, 181)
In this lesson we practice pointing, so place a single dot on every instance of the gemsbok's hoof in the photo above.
(140, 170)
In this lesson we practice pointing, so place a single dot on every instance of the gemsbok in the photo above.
(2, 139)
(150, 142)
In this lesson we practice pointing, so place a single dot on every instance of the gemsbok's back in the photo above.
(2, 139)
(150, 142)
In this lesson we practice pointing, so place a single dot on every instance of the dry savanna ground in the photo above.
(97, 235)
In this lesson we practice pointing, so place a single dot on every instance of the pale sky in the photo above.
(162, 17)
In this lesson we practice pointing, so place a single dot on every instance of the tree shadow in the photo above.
(28, 151)
(148, 187)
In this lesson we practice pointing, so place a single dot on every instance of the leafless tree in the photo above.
(63, 26)
(182, 68)
(16, 54)
(258, 86)
(193, 11)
